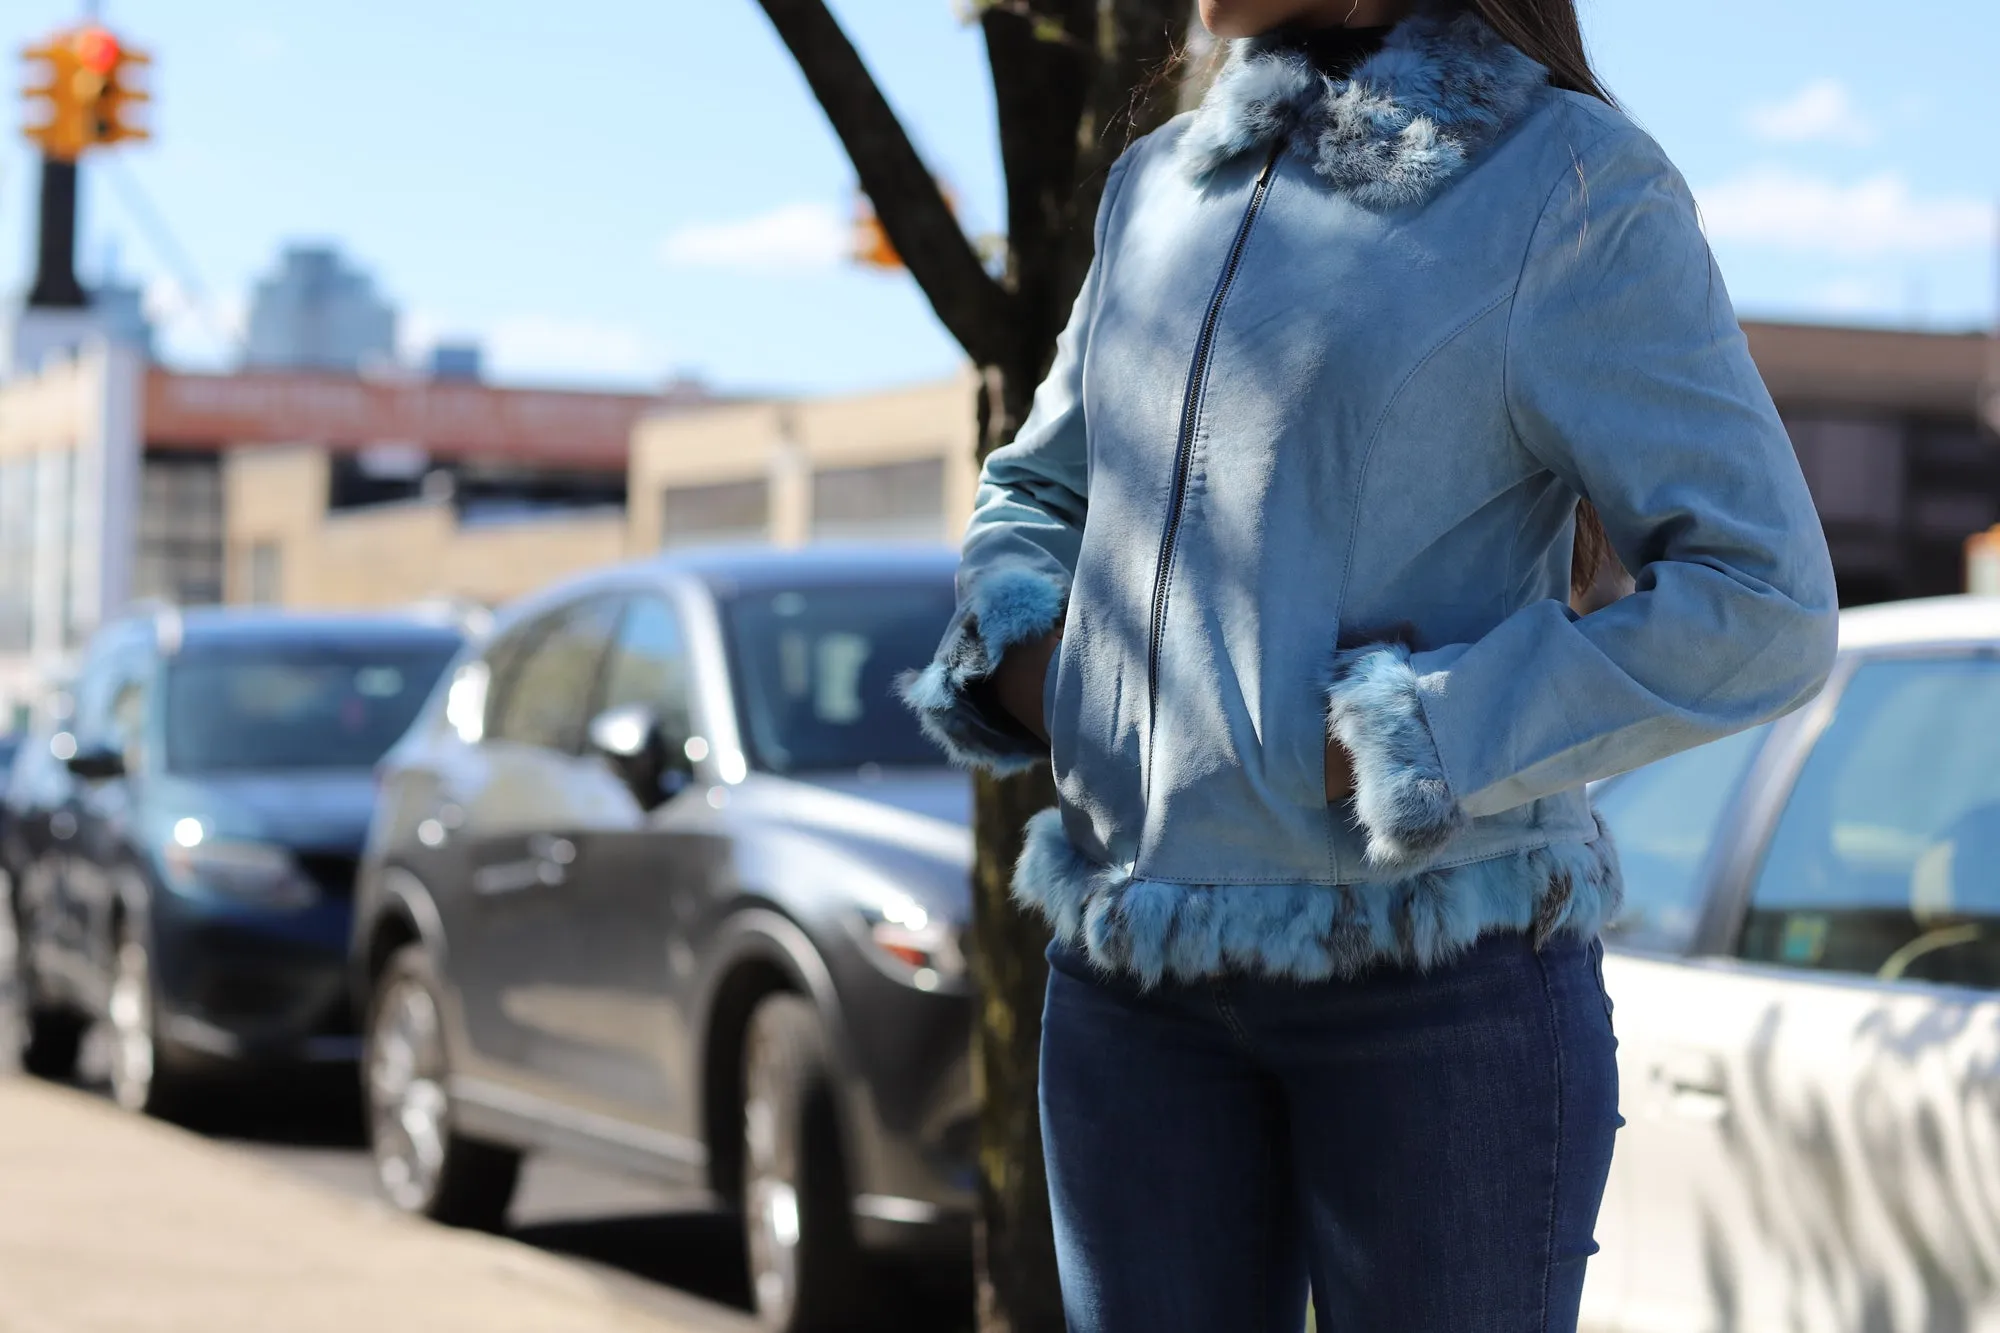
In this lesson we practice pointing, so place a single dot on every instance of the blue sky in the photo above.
(611, 191)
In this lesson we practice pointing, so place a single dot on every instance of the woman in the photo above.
(1276, 573)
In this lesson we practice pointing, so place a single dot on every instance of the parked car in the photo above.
(1805, 976)
(10, 746)
(187, 837)
(669, 878)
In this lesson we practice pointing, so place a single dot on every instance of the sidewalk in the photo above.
(114, 1224)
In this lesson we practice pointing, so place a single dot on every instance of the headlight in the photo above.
(250, 872)
(927, 949)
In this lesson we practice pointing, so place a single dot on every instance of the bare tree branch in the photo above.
(976, 310)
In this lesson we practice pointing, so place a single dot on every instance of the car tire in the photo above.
(797, 1221)
(51, 1041)
(144, 1077)
(51, 1038)
(423, 1166)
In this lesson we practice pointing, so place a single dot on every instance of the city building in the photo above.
(894, 464)
(457, 361)
(121, 480)
(1887, 425)
(318, 313)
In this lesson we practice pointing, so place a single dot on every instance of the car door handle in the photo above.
(1693, 1085)
(545, 865)
(553, 857)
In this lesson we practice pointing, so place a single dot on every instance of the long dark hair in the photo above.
(1547, 32)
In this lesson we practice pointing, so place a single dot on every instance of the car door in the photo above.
(521, 793)
(1678, 1220)
(105, 807)
(609, 1029)
(71, 909)
(1865, 1111)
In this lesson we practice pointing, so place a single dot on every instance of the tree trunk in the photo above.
(1018, 1287)
(1074, 82)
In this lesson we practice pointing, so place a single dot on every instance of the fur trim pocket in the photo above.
(1402, 799)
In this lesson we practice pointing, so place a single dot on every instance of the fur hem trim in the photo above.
(1442, 89)
(1004, 608)
(1158, 931)
(1402, 799)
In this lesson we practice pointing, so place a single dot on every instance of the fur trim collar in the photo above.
(1441, 90)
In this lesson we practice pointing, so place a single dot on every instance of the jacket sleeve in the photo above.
(1019, 554)
(1628, 377)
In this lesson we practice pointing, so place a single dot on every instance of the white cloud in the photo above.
(1823, 111)
(1873, 217)
(532, 347)
(524, 347)
(1856, 295)
(791, 238)
(190, 330)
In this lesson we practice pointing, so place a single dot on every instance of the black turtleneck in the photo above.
(1335, 52)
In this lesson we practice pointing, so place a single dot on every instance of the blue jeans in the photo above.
(1426, 1151)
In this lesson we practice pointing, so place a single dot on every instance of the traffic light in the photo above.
(88, 95)
(870, 246)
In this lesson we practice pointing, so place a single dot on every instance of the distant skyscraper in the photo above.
(456, 361)
(317, 313)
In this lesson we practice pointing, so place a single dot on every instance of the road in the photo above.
(659, 1249)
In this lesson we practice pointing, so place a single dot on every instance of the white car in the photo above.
(1806, 979)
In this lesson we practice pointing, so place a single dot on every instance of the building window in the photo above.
(180, 530)
(1853, 465)
(729, 511)
(888, 500)
(264, 574)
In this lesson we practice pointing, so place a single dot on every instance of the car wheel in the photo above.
(51, 1037)
(796, 1219)
(423, 1166)
(142, 1078)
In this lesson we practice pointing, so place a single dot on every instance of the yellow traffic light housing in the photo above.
(87, 95)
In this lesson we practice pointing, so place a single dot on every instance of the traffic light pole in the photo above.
(56, 287)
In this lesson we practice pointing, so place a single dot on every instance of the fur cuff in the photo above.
(1005, 607)
(1402, 799)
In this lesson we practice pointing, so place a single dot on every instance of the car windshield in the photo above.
(280, 706)
(816, 668)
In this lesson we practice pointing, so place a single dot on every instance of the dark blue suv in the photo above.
(189, 878)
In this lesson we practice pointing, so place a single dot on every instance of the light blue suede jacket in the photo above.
(1307, 461)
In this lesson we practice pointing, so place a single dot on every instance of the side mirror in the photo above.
(96, 763)
(632, 740)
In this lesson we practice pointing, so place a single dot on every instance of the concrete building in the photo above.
(1889, 431)
(318, 313)
(120, 480)
(1887, 426)
(895, 464)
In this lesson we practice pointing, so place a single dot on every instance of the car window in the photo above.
(1886, 860)
(1664, 818)
(90, 722)
(649, 665)
(233, 708)
(127, 716)
(549, 687)
(816, 670)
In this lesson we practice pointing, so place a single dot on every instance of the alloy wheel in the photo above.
(770, 1191)
(406, 1095)
(134, 1055)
